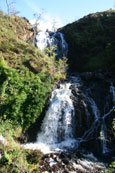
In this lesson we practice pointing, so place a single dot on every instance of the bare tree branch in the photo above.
(8, 10)
(10, 7)
(37, 17)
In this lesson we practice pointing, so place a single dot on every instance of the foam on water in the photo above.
(45, 39)
(57, 130)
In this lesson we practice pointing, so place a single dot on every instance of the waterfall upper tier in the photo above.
(46, 39)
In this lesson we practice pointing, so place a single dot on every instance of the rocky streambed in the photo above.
(70, 163)
(78, 121)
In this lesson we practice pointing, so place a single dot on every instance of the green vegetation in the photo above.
(114, 124)
(92, 42)
(16, 159)
(23, 95)
(112, 165)
(27, 77)
(26, 74)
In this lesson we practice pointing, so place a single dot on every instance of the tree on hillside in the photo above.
(37, 17)
(54, 28)
(11, 7)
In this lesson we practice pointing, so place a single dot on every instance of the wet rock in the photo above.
(62, 155)
(55, 168)
(98, 76)
(96, 150)
(57, 159)
(45, 156)
(114, 83)
(91, 102)
(87, 76)
(65, 171)
(68, 165)
(79, 155)
(65, 161)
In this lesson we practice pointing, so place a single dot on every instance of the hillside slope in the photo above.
(27, 77)
(26, 74)
(91, 42)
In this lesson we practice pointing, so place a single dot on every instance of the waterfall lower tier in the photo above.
(57, 128)
(75, 120)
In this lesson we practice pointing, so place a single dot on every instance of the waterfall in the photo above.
(74, 116)
(45, 39)
(58, 126)
(99, 121)
(57, 130)
(112, 90)
(42, 39)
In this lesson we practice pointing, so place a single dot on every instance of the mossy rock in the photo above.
(33, 156)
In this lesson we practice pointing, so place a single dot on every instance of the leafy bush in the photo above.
(14, 157)
(23, 96)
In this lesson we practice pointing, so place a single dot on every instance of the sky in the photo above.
(59, 11)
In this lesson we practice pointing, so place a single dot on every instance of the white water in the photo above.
(104, 131)
(42, 39)
(57, 131)
(45, 39)
(94, 107)
(112, 90)
(57, 128)
(104, 138)
(103, 127)
(89, 134)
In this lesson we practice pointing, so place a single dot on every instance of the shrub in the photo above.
(24, 96)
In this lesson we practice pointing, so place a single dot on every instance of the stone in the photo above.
(65, 171)
(65, 161)
(87, 76)
(57, 159)
(62, 155)
(114, 83)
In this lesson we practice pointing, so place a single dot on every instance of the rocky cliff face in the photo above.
(91, 42)
(94, 112)
(93, 99)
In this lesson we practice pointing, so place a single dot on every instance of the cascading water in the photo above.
(112, 90)
(74, 116)
(57, 130)
(57, 125)
(45, 39)
(99, 122)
